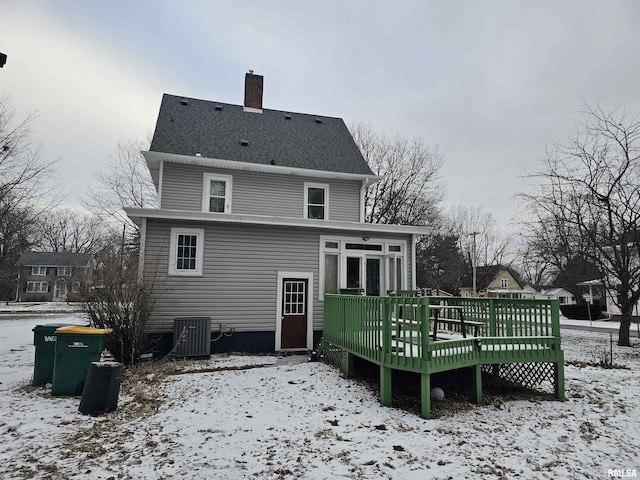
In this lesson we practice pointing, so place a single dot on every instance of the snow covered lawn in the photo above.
(264, 417)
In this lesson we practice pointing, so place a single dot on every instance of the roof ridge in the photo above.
(216, 102)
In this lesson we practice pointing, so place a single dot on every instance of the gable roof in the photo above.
(54, 259)
(193, 127)
(485, 275)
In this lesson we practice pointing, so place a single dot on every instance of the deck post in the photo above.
(477, 384)
(385, 386)
(347, 366)
(558, 379)
(425, 393)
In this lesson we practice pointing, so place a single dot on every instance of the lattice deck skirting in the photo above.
(541, 376)
(532, 375)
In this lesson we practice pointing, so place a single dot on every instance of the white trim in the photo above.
(414, 241)
(206, 190)
(304, 275)
(166, 214)
(64, 271)
(251, 110)
(343, 253)
(40, 284)
(160, 180)
(323, 186)
(57, 288)
(153, 159)
(39, 267)
(363, 190)
(173, 271)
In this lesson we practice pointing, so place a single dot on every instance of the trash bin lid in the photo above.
(52, 326)
(84, 330)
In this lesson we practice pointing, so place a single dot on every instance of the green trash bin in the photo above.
(44, 339)
(76, 348)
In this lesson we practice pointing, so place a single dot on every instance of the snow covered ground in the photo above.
(267, 417)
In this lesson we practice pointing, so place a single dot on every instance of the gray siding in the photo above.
(239, 282)
(258, 193)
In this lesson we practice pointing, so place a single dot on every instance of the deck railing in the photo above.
(395, 331)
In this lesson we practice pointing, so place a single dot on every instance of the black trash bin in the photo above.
(101, 389)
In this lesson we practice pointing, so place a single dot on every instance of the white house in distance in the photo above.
(557, 293)
(261, 212)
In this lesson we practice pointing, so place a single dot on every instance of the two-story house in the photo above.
(52, 276)
(261, 212)
(493, 281)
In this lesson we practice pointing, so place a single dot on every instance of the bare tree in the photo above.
(412, 187)
(24, 191)
(118, 300)
(23, 171)
(67, 230)
(125, 182)
(587, 201)
(534, 269)
(472, 224)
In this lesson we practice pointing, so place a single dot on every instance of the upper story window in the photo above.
(38, 270)
(216, 193)
(504, 283)
(186, 251)
(64, 271)
(316, 201)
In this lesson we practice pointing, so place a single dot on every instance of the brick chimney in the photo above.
(253, 90)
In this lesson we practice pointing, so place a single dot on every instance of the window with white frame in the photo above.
(37, 287)
(504, 283)
(316, 201)
(357, 263)
(38, 270)
(64, 271)
(186, 251)
(216, 195)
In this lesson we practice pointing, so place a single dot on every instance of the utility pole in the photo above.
(474, 264)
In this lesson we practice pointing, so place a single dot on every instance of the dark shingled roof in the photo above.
(215, 130)
(54, 259)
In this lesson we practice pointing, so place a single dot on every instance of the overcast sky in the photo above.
(489, 82)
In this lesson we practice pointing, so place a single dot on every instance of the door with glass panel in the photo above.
(374, 278)
(294, 312)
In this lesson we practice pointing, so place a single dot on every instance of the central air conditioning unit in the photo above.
(192, 337)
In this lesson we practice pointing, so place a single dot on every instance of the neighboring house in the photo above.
(557, 293)
(492, 281)
(52, 276)
(529, 292)
(597, 289)
(261, 212)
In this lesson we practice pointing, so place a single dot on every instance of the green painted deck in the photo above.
(394, 333)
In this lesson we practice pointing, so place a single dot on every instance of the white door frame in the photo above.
(302, 275)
